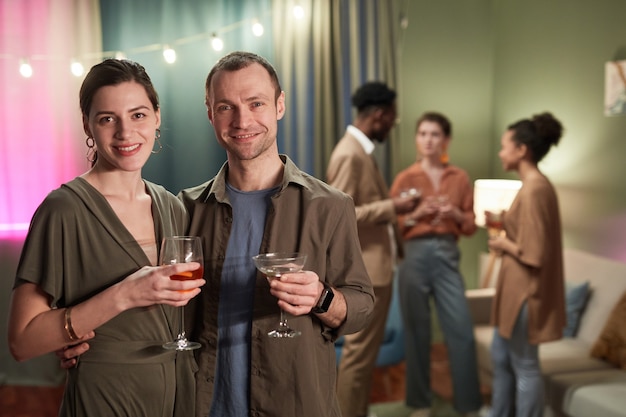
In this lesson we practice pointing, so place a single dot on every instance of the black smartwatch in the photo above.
(323, 304)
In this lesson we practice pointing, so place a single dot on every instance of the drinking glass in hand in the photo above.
(493, 221)
(440, 200)
(415, 194)
(273, 265)
(180, 249)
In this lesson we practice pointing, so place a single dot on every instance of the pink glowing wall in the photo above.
(41, 140)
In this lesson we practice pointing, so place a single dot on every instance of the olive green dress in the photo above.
(77, 247)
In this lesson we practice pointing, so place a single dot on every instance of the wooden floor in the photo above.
(388, 385)
(30, 401)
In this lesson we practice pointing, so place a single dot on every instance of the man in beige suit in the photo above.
(353, 170)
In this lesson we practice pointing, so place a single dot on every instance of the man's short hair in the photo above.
(236, 61)
(373, 94)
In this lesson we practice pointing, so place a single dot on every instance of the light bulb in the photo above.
(77, 68)
(257, 29)
(169, 54)
(298, 12)
(120, 55)
(217, 43)
(25, 69)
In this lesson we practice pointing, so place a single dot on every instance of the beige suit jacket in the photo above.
(354, 172)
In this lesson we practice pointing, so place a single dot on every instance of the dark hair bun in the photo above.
(548, 127)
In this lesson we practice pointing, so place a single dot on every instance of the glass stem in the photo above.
(283, 320)
(181, 331)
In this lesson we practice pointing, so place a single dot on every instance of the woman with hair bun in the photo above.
(529, 307)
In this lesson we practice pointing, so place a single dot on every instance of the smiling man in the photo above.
(261, 202)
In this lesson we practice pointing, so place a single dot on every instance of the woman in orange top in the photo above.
(529, 307)
(431, 267)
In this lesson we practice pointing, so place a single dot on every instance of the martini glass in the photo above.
(179, 249)
(273, 265)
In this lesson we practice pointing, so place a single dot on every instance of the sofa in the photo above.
(577, 383)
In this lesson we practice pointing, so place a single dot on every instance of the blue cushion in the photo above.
(576, 295)
(392, 348)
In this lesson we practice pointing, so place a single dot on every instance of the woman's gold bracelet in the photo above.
(68, 325)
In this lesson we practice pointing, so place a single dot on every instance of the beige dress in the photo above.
(536, 275)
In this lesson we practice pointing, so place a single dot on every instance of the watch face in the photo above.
(324, 302)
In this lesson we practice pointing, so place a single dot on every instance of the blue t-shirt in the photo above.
(231, 396)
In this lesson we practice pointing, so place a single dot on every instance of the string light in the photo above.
(257, 28)
(25, 69)
(169, 54)
(77, 68)
(217, 43)
(298, 12)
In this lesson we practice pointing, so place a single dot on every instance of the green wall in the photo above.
(446, 65)
(550, 55)
(487, 63)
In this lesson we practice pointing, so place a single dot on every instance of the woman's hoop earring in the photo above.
(157, 135)
(91, 152)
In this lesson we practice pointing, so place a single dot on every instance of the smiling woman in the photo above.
(40, 135)
(67, 291)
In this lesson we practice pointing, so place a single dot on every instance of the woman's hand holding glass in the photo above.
(176, 250)
(148, 286)
(424, 208)
(442, 206)
(495, 230)
(437, 208)
(152, 285)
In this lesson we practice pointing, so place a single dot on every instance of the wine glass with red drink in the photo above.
(180, 249)
(493, 222)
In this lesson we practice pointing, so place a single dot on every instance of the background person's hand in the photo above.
(427, 207)
(497, 244)
(405, 202)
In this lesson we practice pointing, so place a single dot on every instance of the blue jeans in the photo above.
(431, 268)
(517, 380)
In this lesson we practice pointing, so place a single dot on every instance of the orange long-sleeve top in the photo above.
(455, 184)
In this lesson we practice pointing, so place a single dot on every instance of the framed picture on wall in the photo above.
(615, 88)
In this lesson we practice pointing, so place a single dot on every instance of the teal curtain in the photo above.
(336, 47)
(140, 29)
(320, 59)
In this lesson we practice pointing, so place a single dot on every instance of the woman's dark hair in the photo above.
(438, 118)
(113, 72)
(538, 134)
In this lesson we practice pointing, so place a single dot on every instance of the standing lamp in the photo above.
(494, 196)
